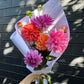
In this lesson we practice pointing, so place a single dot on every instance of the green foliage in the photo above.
(42, 65)
(50, 58)
(43, 76)
(41, 80)
(46, 58)
(48, 79)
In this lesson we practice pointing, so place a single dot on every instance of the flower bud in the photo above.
(19, 24)
(40, 6)
(64, 28)
(29, 13)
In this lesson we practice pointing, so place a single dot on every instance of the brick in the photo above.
(1, 13)
(15, 53)
(18, 3)
(19, 10)
(35, 2)
(16, 11)
(1, 28)
(66, 69)
(78, 27)
(0, 41)
(1, 80)
(17, 18)
(8, 81)
(22, 3)
(75, 49)
(73, 16)
(1, 20)
(7, 12)
(1, 59)
(1, 52)
(25, 8)
(7, 28)
(6, 44)
(67, 59)
(5, 36)
(14, 68)
(10, 60)
(59, 78)
(0, 35)
(11, 75)
(8, 20)
(77, 38)
(5, 4)
(5, 20)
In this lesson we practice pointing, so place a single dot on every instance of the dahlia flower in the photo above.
(42, 21)
(57, 41)
(33, 58)
(40, 43)
(30, 33)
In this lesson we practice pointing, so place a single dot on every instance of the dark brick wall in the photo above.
(69, 68)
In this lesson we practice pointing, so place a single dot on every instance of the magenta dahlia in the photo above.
(57, 41)
(33, 58)
(42, 21)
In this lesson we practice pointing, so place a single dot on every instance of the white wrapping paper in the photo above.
(54, 9)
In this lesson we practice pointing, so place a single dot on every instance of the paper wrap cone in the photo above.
(54, 9)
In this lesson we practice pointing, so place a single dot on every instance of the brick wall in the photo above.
(67, 69)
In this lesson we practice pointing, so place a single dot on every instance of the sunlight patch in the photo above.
(78, 21)
(9, 28)
(7, 44)
(78, 61)
(78, 6)
(8, 50)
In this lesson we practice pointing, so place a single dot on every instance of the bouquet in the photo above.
(42, 36)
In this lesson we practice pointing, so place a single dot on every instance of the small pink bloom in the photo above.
(57, 41)
(42, 21)
(33, 58)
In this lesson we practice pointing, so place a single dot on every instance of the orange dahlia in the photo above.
(40, 43)
(30, 33)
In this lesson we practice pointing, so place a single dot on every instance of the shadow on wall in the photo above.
(71, 64)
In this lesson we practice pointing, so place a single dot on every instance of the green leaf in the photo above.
(41, 80)
(49, 80)
(42, 65)
(50, 58)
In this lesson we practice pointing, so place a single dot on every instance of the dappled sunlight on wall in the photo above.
(78, 62)
(68, 69)
(8, 50)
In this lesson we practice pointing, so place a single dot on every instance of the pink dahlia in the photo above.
(30, 33)
(57, 41)
(33, 58)
(42, 21)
